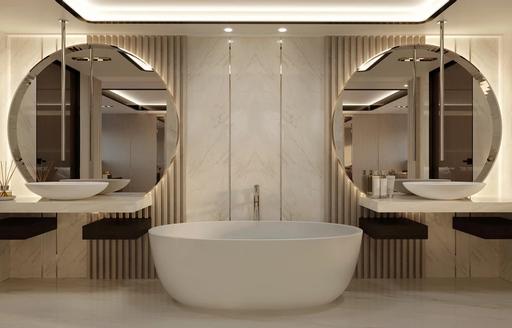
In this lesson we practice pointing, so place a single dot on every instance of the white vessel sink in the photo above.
(113, 184)
(444, 190)
(66, 190)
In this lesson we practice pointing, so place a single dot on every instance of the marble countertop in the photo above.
(411, 203)
(121, 202)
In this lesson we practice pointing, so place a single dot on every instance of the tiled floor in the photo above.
(480, 303)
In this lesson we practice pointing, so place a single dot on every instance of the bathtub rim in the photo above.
(155, 231)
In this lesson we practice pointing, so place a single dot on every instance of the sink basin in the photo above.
(66, 190)
(444, 190)
(399, 183)
(113, 184)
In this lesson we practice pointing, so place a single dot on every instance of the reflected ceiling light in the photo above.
(95, 59)
(419, 59)
(373, 62)
(141, 64)
(228, 30)
(381, 96)
(406, 85)
(282, 30)
(106, 106)
(133, 99)
(200, 11)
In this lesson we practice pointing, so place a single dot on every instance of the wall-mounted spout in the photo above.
(256, 203)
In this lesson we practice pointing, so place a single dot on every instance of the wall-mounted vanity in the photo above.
(389, 122)
(120, 123)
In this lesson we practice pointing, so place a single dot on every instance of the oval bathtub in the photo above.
(255, 265)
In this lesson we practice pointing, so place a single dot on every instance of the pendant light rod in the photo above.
(63, 90)
(441, 90)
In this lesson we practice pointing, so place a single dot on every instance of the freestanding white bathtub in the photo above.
(255, 265)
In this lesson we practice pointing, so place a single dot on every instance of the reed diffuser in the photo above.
(7, 170)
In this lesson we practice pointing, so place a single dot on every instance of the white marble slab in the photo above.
(400, 204)
(114, 203)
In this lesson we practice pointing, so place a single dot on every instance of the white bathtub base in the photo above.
(255, 274)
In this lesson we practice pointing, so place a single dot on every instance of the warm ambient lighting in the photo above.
(255, 11)
(133, 99)
(373, 62)
(228, 30)
(282, 30)
(136, 60)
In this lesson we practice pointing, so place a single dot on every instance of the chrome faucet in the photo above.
(256, 203)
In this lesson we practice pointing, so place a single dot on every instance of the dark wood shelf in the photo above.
(19, 228)
(112, 229)
(393, 228)
(484, 227)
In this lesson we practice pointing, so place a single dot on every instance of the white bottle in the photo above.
(375, 186)
(383, 187)
(391, 185)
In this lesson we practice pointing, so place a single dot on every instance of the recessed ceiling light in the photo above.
(282, 30)
(228, 30)
(406, 85)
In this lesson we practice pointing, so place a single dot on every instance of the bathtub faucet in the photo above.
(256, 203)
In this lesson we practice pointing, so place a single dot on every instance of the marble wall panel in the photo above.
(34, 257)
(304, 134)
(255, 104)
(207, 129)
(4, 245)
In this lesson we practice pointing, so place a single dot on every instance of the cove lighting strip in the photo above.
(253, 11)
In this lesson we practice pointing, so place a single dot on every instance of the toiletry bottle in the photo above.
(364, 182)
(383, 186)
(369, 183)
(391, 185)
(375, 185)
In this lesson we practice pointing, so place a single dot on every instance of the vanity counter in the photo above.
(411, 203)
(122, 202)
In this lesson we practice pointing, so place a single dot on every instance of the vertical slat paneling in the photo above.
(131, 259)
(379, 259)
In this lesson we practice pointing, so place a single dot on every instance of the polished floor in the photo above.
(368, 303)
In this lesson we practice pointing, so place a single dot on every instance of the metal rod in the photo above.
(91, 101)
(63, 90)
(414, 102)
(441, 90)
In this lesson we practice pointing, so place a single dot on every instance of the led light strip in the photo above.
(94, 12)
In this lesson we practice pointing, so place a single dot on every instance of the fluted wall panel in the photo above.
(379, 258)
(120, 259)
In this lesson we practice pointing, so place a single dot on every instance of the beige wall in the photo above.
(506, 144)
(257, 156)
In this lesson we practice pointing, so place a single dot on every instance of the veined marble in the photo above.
(305, 135)
(255, 103)
(207, 129)
(366, 303)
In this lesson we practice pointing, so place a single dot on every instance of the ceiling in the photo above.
(470, 17)
(256, 10)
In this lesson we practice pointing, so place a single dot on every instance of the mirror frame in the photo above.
(15, 107)
(470, 68)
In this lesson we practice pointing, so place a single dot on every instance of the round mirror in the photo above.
(120, 121)
(388, 119)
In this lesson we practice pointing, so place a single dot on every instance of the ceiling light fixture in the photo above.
(254, 11)
(95, 59)
(228, 29)
(282, 30)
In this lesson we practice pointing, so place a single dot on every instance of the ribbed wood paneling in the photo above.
(118, 259)
(379, 258)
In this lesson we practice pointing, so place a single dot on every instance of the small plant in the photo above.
(7, 170)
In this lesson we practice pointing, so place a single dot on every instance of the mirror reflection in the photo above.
(388, 119)
(120, 121)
